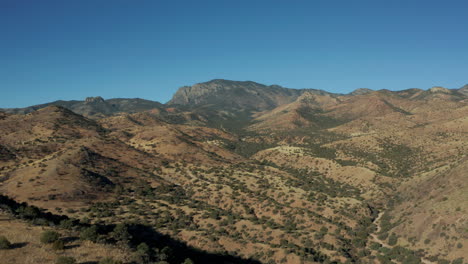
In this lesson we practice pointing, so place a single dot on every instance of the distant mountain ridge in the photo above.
(238, 94)
(226, 95)
(94, 106)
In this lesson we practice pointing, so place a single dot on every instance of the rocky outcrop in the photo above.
(97, 99)
(245, 95)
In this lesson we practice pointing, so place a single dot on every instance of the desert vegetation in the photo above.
(312, 178)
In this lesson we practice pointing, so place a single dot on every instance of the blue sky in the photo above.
(52, 50)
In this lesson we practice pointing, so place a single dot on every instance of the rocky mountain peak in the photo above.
(96, 99)
(240, 95)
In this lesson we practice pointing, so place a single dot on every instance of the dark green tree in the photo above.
(89, 233)
(121, 234)
(4, 243)
(65, 260)
(49, 237)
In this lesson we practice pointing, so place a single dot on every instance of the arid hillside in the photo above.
(239, 172)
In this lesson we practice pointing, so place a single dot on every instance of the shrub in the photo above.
(49, 237)
(89, 233)
(392, 239)
(65, 260)
(143, 249)
(66, 224)
(188, 261)
(58, 245)
(109, 261)
(375, 246)
(142, 254)
(121, 234)
(4, 243)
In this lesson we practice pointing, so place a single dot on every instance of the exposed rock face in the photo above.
(234, 94)
(97, 99)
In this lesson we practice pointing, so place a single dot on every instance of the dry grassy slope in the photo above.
(298, 157)
(433, 213)
(45, 131)
(147, 133)
(182, 180)
(290, 116)
(77, 176)
(241, 190)
(254, 205)
(27, 248)
(368, 105)
(405, 108)
(437, 131)
(323, 111)
(65, 160)
(95, 107)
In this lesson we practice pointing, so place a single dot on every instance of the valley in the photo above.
(241, 172)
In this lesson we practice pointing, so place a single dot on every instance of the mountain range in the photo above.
(225, 94)
(241, 172)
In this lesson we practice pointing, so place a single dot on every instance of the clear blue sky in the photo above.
(52, 50)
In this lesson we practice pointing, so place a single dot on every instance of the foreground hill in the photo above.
(257, 173)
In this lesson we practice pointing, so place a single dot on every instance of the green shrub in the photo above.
(66, 224)
(109, 261)
(49, 237)
(58, 244)
(4, 243)
(375, 246)
(65, 260)
(188, 261)
(121, 234)
(142, 254)
(392, 239)
(89, 233)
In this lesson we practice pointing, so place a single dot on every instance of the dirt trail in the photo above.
(374, 235)
(384, 243)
